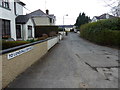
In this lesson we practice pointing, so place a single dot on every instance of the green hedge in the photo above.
(10, 44)
(104, 32)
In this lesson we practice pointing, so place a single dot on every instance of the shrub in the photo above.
(10, 44)
(61, 29)
(31, 40)
(104, 32)
(52, 34)
(44, 36)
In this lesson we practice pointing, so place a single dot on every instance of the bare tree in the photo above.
(113, 4)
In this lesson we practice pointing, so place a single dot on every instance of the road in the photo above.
(73, 63)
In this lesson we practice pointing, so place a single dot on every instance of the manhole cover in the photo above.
(83, 85)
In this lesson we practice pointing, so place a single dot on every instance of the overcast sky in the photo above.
(71, 7)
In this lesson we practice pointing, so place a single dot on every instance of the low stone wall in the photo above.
(16, 62)
(60, 37)
(52, 42)
(11, 68)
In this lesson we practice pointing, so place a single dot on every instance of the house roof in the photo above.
(103, 16)
(97, 17)
(22, 19)
(38, 13)
(52, 15)
(20, 2)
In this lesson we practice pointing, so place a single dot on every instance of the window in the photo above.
(5, 4)
(50, 20)
(29, 31)
(5, 28)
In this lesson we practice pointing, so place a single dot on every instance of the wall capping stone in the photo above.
(23, 46)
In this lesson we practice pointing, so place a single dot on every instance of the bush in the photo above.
(104, 32)
(51, 34)
(44, 36)
(10, 44)
(61, 29)
(31, 40)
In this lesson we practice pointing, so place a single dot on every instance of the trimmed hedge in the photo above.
(104, 32)
(10, 44)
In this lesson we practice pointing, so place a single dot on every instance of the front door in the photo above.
(18, 31)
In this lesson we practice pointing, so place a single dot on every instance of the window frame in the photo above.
(30, 29)
(5, 4)
(6, 28)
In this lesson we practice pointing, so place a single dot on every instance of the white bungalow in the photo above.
(24, 27)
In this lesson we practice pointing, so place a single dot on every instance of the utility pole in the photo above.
(63, 22)
(45, 4)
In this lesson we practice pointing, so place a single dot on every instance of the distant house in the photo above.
(9, 9)
(24, 27)
(42, 22)
(101, 17)
(41, 18)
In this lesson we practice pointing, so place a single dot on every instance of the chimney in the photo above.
(47, 12)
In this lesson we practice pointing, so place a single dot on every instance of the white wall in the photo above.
(53, 22)
(41, 20)
(25, 29)
(0, 2)
(94, 19)
(19, 9)
(9, 15)
(52, 42)
(60, 37)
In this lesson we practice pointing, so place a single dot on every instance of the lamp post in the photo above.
(63, 22)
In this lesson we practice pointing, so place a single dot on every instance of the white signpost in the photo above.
(19, 52)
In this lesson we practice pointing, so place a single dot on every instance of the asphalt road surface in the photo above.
(73, 63)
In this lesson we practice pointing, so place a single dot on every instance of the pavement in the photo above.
(73, 63)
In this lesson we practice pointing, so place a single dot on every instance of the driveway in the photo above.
(73, 63)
